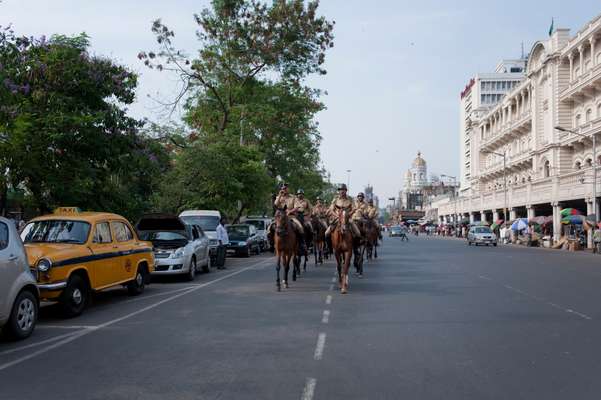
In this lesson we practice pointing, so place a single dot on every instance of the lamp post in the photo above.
(348, 178)
(594, 164)
(504, 155)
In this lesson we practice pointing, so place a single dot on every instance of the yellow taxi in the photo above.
(74, 253)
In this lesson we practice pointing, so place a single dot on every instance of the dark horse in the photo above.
(286, 246)
(342, 244)
(360, 245)
(319, 238)
(303, 250)
(372, 235)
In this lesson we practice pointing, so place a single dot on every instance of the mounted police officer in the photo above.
(320, 212)
(342, 202)
(294, 208)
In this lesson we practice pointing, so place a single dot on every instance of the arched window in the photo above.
(599, 110)
(547, 169)
(589, 115)
(588, 162)
(577, 121)
(576, 72)
(578, 165)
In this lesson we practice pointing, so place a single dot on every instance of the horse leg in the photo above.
(376, 250)
(344, 277)
(306, 259)
(277, 269)
(339, 266)
(286, 269)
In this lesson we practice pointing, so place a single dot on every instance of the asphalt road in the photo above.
(431, 319)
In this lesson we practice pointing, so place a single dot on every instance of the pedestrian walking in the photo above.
(224, 240)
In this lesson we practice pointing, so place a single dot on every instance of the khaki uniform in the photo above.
(303, 206)
(321, 213)
(372, 212)
(345, 203)
(360, 210)
(290, 201)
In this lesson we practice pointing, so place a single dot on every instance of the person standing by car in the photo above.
(223, 239)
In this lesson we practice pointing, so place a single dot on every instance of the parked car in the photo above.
(75, 253)
(395, 231)
(208, 221)
(19, 295)
(261, 224)
(481, 235)
(243, 240)
(179, 248)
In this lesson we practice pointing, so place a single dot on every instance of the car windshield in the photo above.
(56, 231)
(206, 222)
(482, 229)
(238, 232)
(165, 236)
(260, 225)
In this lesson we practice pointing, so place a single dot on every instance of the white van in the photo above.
(208, 221)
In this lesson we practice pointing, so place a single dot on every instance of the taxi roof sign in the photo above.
(67, 210)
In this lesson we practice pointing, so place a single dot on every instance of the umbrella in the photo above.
(569, 211)
(494, 226)
(499, 222)
(519, 224)
(573, 219)
(538, 220)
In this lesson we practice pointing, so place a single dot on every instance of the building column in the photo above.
(589, 233)
(512, 216)
(530, 212)
(483, 216)
(472, 217)
(571, 58)
(581, 51)
(495, 216)
(556, 222)
(592, 40)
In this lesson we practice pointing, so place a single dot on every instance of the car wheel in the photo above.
(192, 270)
(246, 252)
(494, 244)
(258, 250)
(23, 316)
(136, 286)
(207, 268)
(469, 243)
(75, 297)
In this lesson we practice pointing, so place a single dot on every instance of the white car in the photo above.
(208, 221)
(179, 248)
(481, 235)
(19, 295)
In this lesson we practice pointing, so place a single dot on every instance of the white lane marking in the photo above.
(334, 280)
(35, 344)
(331, 287)
(38, 326)
(76, 335)
(158, 294)
(321, 343)
(326, 317)
(329, 299)
(309, 389)
(485, 277)
(541, 300)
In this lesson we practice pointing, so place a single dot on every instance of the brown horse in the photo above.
(319, 239)
(286, 245)
(372, 234)
(342, 244)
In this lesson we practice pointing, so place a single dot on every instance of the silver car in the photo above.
(19, 296)
(179, 248)
(481, 235)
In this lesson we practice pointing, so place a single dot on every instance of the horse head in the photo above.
(343, 220)
(281, 222)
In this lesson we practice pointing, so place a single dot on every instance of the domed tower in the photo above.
(419, 172)
(407, 182)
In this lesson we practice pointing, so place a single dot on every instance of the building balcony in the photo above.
(508, 132)
(583, 87)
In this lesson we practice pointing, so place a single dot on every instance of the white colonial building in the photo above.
(519, 161)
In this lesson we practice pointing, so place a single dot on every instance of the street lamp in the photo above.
(348, 178)
(562, 129)
(504, 155)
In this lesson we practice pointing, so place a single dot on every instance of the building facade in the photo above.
(483, 92)
(521, 164)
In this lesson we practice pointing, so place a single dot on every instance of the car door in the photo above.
(204, 245)
(9, 269)
(124, 239)
(105, 251)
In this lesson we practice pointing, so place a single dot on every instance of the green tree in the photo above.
(66, 138)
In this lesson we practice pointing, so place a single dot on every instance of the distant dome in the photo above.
(419, 161)
(408, 175)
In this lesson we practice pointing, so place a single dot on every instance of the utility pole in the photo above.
(348, 179)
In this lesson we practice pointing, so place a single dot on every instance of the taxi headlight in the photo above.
(44, 265)
(179, 253)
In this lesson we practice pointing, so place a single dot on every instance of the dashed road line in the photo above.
(326, 317)
(329, 299)
(321, 344)
(309, 389)
(331, 287)
(540, 300)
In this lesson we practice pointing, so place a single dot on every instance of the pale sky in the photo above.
(394, 75)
